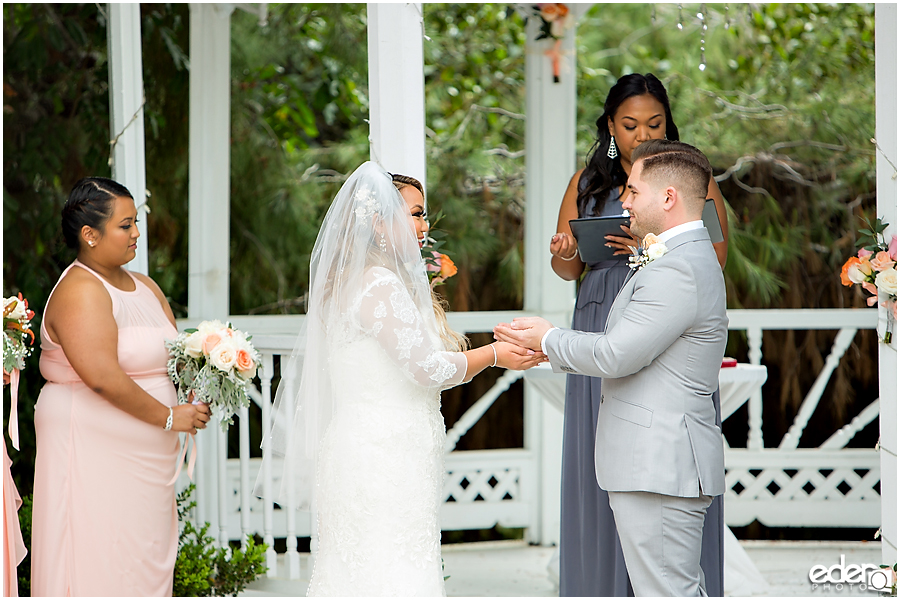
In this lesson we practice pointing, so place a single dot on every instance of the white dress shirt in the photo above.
(665, 236)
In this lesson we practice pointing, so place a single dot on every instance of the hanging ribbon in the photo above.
(191, 462)
(555, 54)
(13, 410)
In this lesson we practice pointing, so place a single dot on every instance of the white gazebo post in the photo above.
(550, 163)
(886, 161)
(126, 107)
(208, 220)
(397, 88)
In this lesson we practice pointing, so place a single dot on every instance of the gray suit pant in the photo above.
(661, 538)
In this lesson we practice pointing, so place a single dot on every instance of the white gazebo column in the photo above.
(397, 88)
(886, 162)
(209, 188)
(550, 163)
(126, 100)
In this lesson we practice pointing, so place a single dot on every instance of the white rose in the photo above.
(18, 309)
(207, 327)
(855, 275)
(223, 356)
(886, 281)
(656, 250)
(193, 345)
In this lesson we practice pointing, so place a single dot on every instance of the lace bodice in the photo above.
(380, 468)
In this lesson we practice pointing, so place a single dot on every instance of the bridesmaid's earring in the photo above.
(91, 243)
(613, 152)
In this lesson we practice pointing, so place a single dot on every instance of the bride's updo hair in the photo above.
(453, 341)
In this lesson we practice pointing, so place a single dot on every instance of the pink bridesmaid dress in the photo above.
(104, 520)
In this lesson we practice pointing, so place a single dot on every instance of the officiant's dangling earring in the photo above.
(382, 244)
(613, 152)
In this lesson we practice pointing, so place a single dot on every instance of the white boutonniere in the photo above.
(653, 249)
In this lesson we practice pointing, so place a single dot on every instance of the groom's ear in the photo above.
(671, 199)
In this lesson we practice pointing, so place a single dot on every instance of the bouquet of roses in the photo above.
(875, 267)
(17, 335)
(216, 362)
(438, 267)
(17, 341)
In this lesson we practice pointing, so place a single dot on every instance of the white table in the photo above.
(736, 385)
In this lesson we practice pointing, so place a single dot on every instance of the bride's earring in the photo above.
(382, 244)
(613, 152)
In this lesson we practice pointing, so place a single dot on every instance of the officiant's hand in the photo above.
(526, 332)
(623, 245)
(564, 246)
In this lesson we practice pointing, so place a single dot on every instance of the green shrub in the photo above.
(202, 569)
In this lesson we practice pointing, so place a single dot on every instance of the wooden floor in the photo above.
(514, 569)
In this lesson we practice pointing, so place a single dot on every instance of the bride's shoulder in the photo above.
(379, 275)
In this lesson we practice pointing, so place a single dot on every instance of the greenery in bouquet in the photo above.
(874, 268)
(17, 335)
(213, 364)
(438, 266)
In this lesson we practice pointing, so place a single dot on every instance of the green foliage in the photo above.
(23, 571)
(202, 569)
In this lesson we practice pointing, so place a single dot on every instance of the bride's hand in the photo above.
(510, 356)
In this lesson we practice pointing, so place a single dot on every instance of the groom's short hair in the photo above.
(668, 162)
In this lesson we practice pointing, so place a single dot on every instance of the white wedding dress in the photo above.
(380, 462)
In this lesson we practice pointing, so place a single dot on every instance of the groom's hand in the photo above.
(526, 332)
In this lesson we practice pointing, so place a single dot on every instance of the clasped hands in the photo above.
(525, 333)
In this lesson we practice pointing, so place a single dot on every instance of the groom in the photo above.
(658, 450)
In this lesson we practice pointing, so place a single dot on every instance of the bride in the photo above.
(362, 438)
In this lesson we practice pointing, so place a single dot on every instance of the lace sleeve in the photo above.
(387, 312)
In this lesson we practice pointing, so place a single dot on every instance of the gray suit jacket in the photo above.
(660, 358)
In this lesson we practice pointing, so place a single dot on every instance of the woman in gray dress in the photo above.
(591, 560)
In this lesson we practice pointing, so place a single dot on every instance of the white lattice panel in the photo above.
(802, 488)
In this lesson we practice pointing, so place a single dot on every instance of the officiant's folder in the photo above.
(591, 232)
(711, 222)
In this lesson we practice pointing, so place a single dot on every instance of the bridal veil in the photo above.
(367, 225)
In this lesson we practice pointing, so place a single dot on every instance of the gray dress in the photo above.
(590, 555)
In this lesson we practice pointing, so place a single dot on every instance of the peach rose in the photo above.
(881, 261)
(552, 11)
(244, 363)
(448, 269)
(649, 240)
(210, 342)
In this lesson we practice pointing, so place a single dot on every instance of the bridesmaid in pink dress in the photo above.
(104, 520)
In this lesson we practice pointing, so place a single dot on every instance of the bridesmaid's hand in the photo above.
(564, 246)
(623, 245)
(190, 417)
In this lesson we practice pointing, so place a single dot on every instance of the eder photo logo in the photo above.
(840, 577)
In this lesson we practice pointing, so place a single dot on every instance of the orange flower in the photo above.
(850, 262)
(448, 269)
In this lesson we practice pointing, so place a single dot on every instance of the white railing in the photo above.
(825, 486)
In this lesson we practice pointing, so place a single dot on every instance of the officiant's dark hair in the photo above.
(90, 203)
(602, 173)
